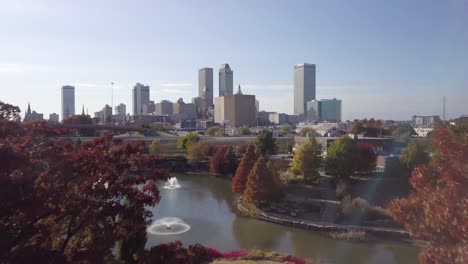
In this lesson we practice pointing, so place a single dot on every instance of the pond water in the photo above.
(204, 202)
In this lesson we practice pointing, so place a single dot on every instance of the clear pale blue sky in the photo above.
(384, 59)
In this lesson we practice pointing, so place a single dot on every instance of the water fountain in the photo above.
(171, 183)
(168, 226)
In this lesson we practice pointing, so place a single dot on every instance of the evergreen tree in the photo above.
(266, 143)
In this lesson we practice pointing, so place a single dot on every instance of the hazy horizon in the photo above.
(383, 59)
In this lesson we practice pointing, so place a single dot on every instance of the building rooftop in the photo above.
(304, 65)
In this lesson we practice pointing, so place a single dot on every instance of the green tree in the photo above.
(184, 142)
(306, 130)
(213, 131)
(154, 147)
(307, 160)
(403, 133)
(198, 152)
(342, 157)
(413, 155)
(245, 130)
(285, 129)
(265, 144)
(261, 186)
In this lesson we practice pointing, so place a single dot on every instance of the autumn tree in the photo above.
(224, 160)
(240, 179)
(366, 159)
(81, 120)
(341, 157)
(265, 144)
(307, 160)
(404, 133)
(413, 155)
(184, 142)
(436, 211)
(261, 187)
(63, 202)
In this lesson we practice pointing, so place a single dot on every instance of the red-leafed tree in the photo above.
(261, 185)
(64, 202)
(224, 160)
(366, 158)
(245, 166)
(437, 210)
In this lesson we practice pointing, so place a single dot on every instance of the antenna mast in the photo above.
(443, 112)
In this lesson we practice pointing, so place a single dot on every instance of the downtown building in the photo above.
(32, 115)
(236, 110)
(225, 80)
(68, 101)
(205, 91)
(141, 96)
(304, 86)
(324, 110)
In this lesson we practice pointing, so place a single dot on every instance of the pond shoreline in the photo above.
(320, 227)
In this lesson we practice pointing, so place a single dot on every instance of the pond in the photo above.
(204, 203)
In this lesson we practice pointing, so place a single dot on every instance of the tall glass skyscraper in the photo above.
(304, 86)
(68, 101)
(225, 80)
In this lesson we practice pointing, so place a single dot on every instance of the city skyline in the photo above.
(364, 56)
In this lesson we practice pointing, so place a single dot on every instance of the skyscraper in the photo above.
(304, 86)
(68, 101)
(225, 80)
(141, 96)
(205, 88)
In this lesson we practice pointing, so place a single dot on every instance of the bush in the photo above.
(245, 130)
(213, 131)
(154, 147)
(184, 142)
(198, 152)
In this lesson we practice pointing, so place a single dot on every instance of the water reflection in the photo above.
(204, 203)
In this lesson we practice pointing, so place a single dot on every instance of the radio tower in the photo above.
(443, 111)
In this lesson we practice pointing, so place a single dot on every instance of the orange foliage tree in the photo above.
(261, 185)
(240, 179)
(437, 211)
(224, 160)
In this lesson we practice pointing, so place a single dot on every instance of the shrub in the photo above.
(184, 142)
(154, 147)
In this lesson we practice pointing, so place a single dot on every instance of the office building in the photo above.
(235, 110)
(165, 107)
(121, 110)
(324, 110)
(149, 108)
(225, 80)
(68, 101)
(313, 111)
(141, 96)
(205, 89)
(182, 111)
(330, 110)
(105, 115)
(54, 118)
(425, 121)
(304, 86)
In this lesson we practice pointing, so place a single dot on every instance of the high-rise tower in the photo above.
(225, 80)
(68, 101)
(205, 88)
(304, 86)
(141, 96)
